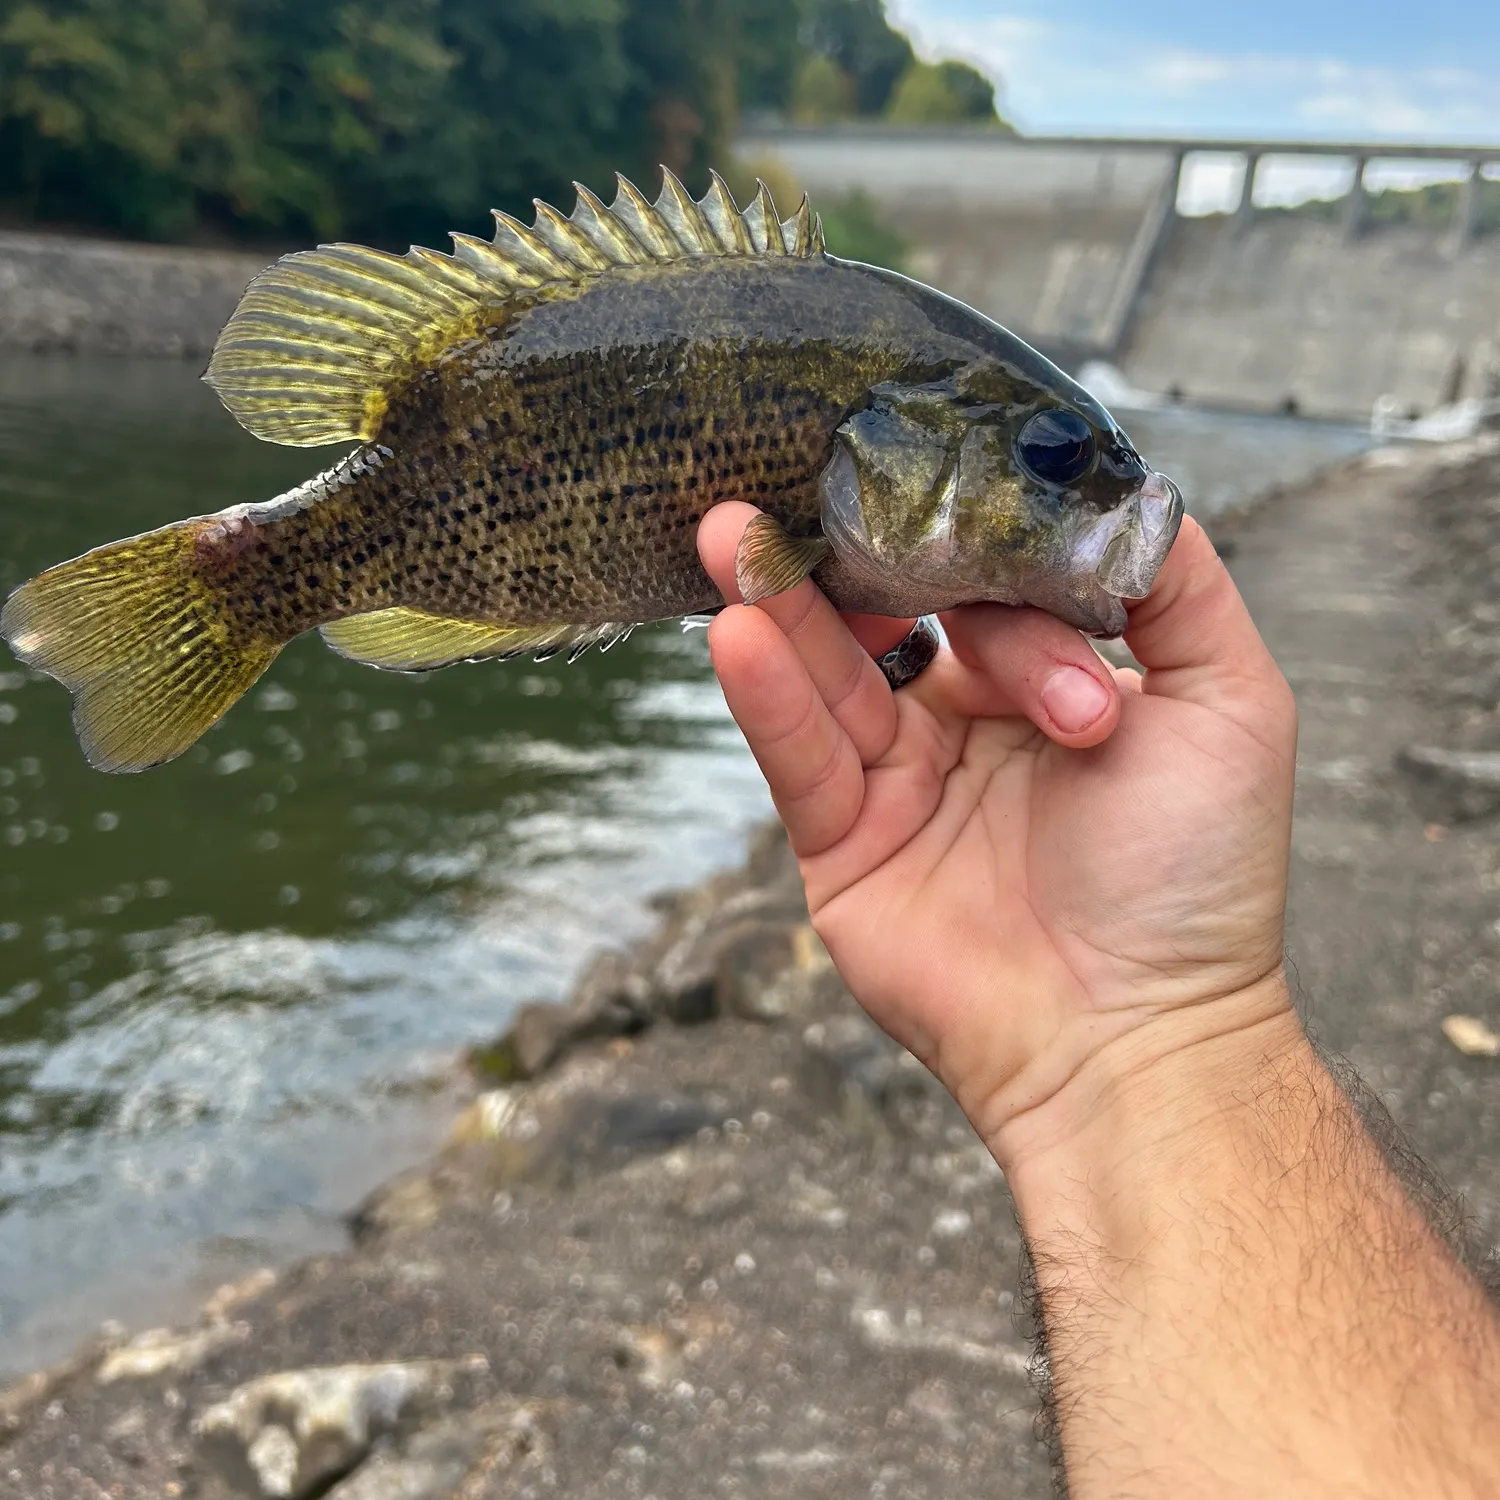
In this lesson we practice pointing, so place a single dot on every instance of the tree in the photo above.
(942, 93)
(856, 36)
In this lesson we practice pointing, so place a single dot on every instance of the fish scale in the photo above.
(542, 421)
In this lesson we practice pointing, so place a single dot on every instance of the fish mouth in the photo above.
(1117, 557)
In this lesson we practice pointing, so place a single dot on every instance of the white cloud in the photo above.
(1059, 78)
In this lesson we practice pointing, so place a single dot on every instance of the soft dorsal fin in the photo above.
(320, 339)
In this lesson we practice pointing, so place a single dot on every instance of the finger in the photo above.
(1196, 640)
(1023, 661)
(810, 764)
(839, 667)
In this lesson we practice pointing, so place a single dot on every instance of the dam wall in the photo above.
(1047, 239)
(1081, 246)
(1289, 312)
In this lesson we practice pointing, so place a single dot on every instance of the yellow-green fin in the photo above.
(142, 641)
(768, 561)
(320, 339)
(411, 640)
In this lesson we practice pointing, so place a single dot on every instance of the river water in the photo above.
(230, 988)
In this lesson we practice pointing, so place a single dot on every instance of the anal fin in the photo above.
(411, 640)
(768, 561)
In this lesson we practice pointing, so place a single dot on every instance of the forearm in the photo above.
(1239, 1298)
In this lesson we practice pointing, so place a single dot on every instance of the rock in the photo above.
(545, 1132)
(767, 971)
(1454, 784)
(1471, 1036)
(406, 1203)
(167, 1351)
(501, 1436)
(285, 1436)
(232, 1294)
(613, 998)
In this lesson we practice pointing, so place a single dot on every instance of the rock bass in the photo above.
(542, 419)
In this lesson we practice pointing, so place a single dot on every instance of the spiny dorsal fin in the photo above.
(321, 339)
(411, 640)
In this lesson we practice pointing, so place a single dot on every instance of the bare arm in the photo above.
(1063, 888)
(1238, 1296)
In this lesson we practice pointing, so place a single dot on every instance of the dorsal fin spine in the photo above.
(632, 209)
(321, 339)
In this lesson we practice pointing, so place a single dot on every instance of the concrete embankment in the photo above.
(1287, 310)
(95, 296)
(704, 1230)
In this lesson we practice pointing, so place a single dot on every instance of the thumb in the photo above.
(1197, 642)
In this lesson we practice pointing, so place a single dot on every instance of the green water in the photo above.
(225, 984)
(222, 982)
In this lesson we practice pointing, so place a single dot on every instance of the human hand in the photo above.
(1028, 867)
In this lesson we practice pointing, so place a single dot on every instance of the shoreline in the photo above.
(703, 1218)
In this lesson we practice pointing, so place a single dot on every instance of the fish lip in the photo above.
(1144, 529)
(1114, 557)
(1133, 540)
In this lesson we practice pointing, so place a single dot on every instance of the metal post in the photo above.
(1357, 204)
(1244, 214)
(1466, 220)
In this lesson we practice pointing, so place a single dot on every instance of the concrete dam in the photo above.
(1080, 246)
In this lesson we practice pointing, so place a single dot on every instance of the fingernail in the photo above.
(1074, 699)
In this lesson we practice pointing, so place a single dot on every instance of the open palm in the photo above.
(1024, 855)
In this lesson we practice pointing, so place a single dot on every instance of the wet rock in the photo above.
(1454, 785)
(285, 1436)
(168, 1351)
(613, 998)
(502, 1436)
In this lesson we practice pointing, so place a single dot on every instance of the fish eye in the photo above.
(1056, 446)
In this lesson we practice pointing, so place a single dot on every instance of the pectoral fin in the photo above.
(769, 561)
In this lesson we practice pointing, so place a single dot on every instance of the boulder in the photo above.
(286, 1436)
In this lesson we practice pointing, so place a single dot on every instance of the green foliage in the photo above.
(943, 93)
(1433, 207)
(821, 91)
(379, 119)
(854, 229)
(392, 121)
(856, 36)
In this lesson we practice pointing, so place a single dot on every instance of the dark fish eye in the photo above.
(1056, 446)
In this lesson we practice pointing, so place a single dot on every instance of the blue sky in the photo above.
(1319, 68)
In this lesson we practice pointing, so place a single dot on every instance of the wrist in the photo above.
(1151, 1098)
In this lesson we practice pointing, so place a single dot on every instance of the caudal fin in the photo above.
(142, 640)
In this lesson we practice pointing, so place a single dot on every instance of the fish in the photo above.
(539, 422)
